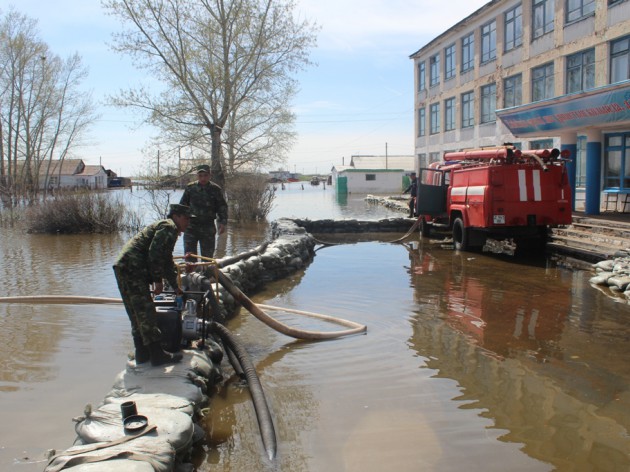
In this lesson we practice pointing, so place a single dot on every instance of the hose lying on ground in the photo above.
(265, 422)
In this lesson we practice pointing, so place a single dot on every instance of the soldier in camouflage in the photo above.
(206, 202)
(147, 259)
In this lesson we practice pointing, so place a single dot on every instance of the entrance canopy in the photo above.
(595, 108)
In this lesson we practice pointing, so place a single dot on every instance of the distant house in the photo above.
(282, 176)
(73, 174)
(374, 174)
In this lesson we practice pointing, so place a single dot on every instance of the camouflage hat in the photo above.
(177, 209)
(203, 168)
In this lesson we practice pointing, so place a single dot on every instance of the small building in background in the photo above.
(374, 174)
(72, 174)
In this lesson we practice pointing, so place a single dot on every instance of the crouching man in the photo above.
(146, 260)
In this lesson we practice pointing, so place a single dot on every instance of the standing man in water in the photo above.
(207, 203)
(147, 259)
(413, 192)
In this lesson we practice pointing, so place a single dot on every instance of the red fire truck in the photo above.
(499, 193)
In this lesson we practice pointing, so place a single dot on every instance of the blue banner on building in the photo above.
(596, 107)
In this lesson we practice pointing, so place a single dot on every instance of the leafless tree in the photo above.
(227, 71)
(43, 115)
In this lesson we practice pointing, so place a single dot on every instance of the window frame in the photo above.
(434, 118)
(585, 9)
(625, 53)
(488, 105)
(582, 70)
(513, 82)
(547, 10)
(488, 51)
(422, 122)
(422, 76)
(434, 70)
(547, 80)
(467, 102)
(449, 114)
(468, 52)
(516, 31)
(449, 62)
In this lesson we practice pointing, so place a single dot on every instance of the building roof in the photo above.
(65, 167)
(92, 170)
(406, 163)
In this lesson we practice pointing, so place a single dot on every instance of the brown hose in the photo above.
(281, 327)
(236, 293)
(61, 300)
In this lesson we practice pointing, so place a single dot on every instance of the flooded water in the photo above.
(470, 361)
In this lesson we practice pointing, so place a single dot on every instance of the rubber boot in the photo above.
(160, 357)
(142, 352)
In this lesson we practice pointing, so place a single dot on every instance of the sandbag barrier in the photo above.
(172, 397)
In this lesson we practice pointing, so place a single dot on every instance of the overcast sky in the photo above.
(356, 99)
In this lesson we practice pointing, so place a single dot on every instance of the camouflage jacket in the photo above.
(206, 203)
(149, 254)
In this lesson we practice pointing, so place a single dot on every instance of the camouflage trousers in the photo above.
(204, 237)
(139, 305)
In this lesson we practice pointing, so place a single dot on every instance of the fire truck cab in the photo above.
(499, 193)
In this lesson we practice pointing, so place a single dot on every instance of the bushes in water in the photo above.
(250, 197)
(83, 212)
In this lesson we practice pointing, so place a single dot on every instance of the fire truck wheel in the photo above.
(460, 235)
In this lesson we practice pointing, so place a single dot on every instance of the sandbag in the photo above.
(105, 424)
(184, 379)
(152, 400)
(143, 454)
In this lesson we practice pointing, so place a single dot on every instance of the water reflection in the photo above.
(509, 341)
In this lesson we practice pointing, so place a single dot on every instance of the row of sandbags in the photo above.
(614, 274)
(170, 397)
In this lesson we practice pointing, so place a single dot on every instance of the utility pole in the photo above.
(386, 167)
(158, 164)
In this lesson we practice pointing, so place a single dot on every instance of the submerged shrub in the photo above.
(250, 197)
(84, 212)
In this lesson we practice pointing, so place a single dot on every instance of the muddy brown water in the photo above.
(470, 362)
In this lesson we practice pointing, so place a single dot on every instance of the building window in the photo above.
(580, 162)
(620, 60)
(542, 82)
(581, 71)
(468, 52)
(468, 109)
(617, 161)
(514, 28)
(488, 103)
(513, 91)
(541, 144)
(449, 62)
(370, 176)
(422, 76)
(422, 122)
(577, 9)
(488, 42)
(543, 16)
(435, 118)
(434, 65)
(434, 157)
(422, 160)
(614, 2)
(449, 114)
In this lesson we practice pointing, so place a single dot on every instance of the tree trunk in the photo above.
(216, 164)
